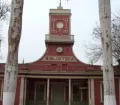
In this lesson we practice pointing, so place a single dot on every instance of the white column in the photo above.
(48, 86)
(92, 92)
(89, 91)
(21, 99)
(69, 91)
(119, 91)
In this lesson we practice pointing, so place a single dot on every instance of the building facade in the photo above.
(58, 77)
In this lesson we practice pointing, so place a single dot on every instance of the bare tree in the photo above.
(4, 15)
(4, 9)
(94, 51)
(108, 73)
(11, 67)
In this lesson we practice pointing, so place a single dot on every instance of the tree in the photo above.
(4, 14)
(108, 73)
(4, 9)
(11, 67)
(94, 51)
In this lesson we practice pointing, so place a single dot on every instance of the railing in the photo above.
(59, 38)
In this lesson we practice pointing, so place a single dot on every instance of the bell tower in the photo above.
(59, 41)
(60, 21)
(59, 26)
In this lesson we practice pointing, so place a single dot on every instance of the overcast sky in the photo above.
(36, 25)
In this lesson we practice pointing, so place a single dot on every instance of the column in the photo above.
(21, 99)
(91, 91)
(48, 86)
(119, 91)
(25, 90)
(69, 91)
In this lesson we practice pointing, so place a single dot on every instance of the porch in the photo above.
(57, 91)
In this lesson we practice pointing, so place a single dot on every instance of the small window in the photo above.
(101, 92)
(76, 93)
(40, 92)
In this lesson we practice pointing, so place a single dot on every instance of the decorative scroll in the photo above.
(60, 58)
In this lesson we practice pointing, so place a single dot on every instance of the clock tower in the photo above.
(59, 41)
(59, 26)
(60, 21)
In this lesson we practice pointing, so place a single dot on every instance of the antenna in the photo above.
(60, 5)
(23, 61)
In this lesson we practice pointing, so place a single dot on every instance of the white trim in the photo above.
(60, 11)
(89, 94)
(70, 24)
(64, 77)
(50, 24)
(60, 72)
(119, 91)
(21, 98)
(59, 77)
(69, 92)
(55, 77)
(101, 91)
(1, 91)
(92, 92)
(48, 91)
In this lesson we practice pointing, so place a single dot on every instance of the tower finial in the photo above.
(23, 61)
(60, 5)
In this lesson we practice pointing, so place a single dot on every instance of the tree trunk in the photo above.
(11, 67)
(108, 73)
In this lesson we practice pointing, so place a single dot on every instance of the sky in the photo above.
(36, 25)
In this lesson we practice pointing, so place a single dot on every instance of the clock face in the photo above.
(59, 25)
(59, 49)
